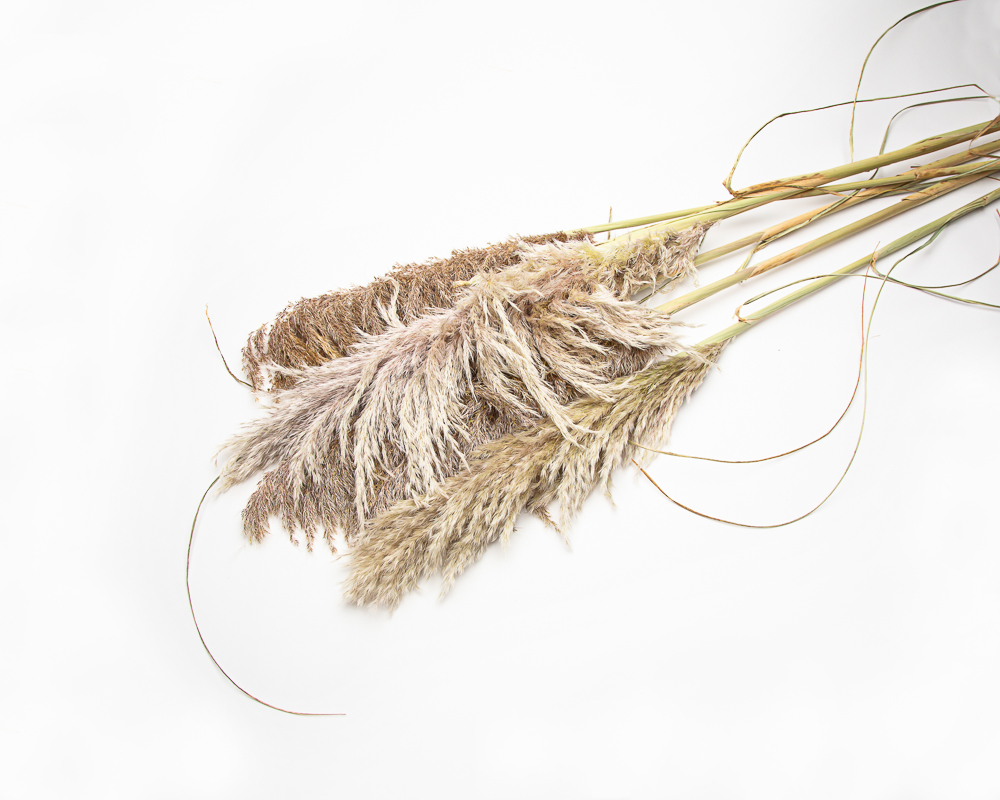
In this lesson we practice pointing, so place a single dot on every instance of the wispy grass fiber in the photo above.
(446, 530)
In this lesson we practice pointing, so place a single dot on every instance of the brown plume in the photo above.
(314, 330)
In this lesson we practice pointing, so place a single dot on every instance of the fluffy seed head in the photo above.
(449, 528)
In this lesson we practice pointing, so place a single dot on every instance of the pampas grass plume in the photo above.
(315, 330)
(449, 528)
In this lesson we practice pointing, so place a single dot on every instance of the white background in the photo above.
(158, 157)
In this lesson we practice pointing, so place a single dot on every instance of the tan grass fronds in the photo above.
(402, 410)
(446, 530)
(314, 330)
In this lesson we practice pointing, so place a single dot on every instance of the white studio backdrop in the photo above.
(161, 157)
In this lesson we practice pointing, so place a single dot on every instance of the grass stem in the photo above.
(814, 286)
(808, 183)
(910, 201)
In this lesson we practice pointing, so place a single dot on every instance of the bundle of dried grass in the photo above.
(448, 529)
(402, 410)
(314, 330)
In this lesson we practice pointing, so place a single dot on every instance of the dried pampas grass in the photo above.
(446, 530)
(317, 329)
(402, 411)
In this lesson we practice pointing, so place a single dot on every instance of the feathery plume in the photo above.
(448, 529)
(314, 330)
(402, 410)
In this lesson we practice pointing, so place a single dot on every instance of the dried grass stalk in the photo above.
(402, 410)
(316, 329)
(448, 529)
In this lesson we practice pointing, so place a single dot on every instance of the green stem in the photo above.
(946, 167)
(801, 184)
(905, 181)
(908, 202)
(932, 144)
(814, 286)
(636, 222)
